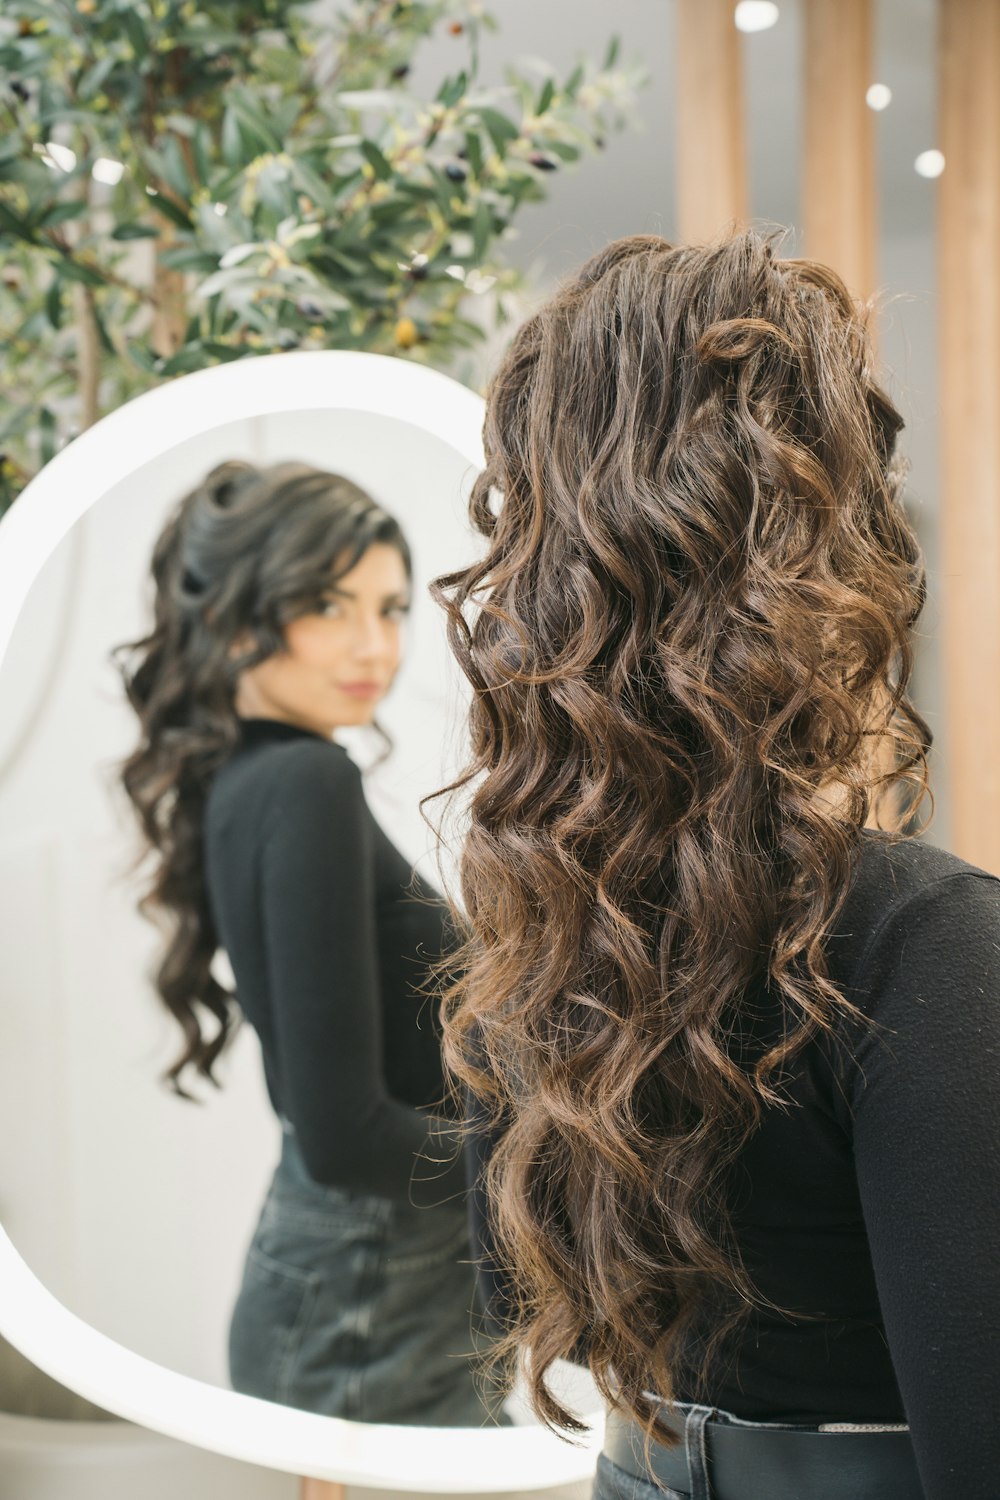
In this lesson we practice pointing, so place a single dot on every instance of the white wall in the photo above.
(132, 1205)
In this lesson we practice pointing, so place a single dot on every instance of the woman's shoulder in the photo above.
(911, 903)
(897, 868)
(893, 870)
(283, 772)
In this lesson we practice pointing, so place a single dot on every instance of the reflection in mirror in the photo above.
(280, 594)
(135, 1208)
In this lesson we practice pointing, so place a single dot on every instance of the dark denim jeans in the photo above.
(615, 1483)
(357, 1306)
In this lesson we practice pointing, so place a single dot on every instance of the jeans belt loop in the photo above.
(697, 1451)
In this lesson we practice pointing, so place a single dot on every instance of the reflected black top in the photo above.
(328, 930)
(873, 1204)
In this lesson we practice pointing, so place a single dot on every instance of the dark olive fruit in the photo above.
(401, 71)
(21, 90)
(542, 162)
(455, 171)
(309, 309)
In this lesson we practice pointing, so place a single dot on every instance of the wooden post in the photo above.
(838, 193)
(711, 154)
(969, 366)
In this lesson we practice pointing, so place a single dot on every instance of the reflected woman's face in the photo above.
(340, 661)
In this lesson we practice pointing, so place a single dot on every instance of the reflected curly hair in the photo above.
(247, 551)
(689, 647)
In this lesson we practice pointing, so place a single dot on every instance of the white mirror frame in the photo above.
(422, 1460)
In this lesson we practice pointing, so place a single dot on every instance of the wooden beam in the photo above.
(969, 372)
(838, 191)
(711, 141)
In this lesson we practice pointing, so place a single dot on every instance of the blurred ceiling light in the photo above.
(929, 164)
(879, 96)
(59, 158)
(755, 15)
(106, 170)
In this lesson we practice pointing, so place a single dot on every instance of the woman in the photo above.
(280, 597)
(739, 1048)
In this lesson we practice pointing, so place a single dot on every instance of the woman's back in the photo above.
(853, 1207)
(738, 1049)
(329, 933)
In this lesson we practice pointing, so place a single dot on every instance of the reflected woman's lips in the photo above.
(360, 689)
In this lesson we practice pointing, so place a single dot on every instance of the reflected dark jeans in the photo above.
(356, 1306)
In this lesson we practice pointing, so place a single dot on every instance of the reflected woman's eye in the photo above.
(330, 607)
(398, 611)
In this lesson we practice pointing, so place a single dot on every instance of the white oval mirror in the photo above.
(132, 1208)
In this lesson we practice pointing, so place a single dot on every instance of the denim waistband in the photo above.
(292, 1173)
(293, 1180)
(722, 1457)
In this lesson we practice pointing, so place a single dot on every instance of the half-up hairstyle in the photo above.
(246, 552)
(689, 647)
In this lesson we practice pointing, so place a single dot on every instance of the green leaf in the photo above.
(254, 124)
(136, 32)
(134, 232)
(102, 331)
(14, 224)
(482, 230)
(54, 303)
(452, 90)
(474, 152)
(188, 258)
(209, 39)
(201, 146)
(58, 213)
(546, 96)
(279, 65)
(234, 150)
(332, 262)
(421, 191)
(175, 172)
(191, 357)
(563, 150)
(141, 355)
(181, 125)
(310, 183)
(171, 210)
(73, 270)
(226, 353)
(374, 157)
(167, 165)
(90, 82)
(501, 131)
(574, 81)
(611, 56)
(47, 434)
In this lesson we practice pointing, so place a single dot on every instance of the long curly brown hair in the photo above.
(245, 552)
(689, 645)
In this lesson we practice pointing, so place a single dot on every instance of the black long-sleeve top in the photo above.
(873, 1203)
(329, 930)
